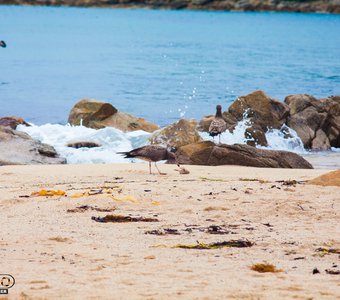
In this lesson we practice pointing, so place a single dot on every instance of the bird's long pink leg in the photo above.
(150, 167)
(160, 173)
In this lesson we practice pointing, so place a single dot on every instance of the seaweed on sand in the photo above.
(265, 268)
(163, 231)
(333, 272)
(84, 208)
(122, 219)
(218, 245)
(324, 251)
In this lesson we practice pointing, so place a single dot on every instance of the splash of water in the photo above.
(284, 138)
(111, 140)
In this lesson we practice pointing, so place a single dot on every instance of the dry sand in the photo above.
(55, 254)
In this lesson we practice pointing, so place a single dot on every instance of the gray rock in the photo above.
(12, 122)
(317, 122)
(18, 148)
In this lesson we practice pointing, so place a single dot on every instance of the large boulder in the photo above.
(90, 113)
(12, 122)
(95, 114)
(176, 135)
(18, 148)
(208, 153)
(317, 122)
(262, 110)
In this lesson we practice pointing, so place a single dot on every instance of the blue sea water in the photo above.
(159, 64)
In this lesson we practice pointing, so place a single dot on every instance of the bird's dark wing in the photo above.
(217, 126)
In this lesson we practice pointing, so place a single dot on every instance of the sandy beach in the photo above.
(55, 250)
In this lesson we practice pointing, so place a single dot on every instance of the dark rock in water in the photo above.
(255, 136)
(95, 114)
(317, 122)
(83, 145)
(176, 135)
(208, 153)
(18, 148)
(12, 122)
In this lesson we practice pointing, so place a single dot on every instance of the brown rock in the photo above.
(317, 122)
(126, 122)
(204, 123)
(178, 134)
(98, 115)
(262, 110)
(255, 136)
(320, 141)
(12, 122)
(18, 148)
(207, 153)
(300, 102)
(90, 113)
(328, 179)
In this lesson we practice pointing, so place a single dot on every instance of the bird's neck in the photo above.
(218, 114)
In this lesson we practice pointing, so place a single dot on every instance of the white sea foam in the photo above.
(278, 139)
(111, 140)
(284, 139)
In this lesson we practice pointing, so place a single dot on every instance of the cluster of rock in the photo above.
(317, 122)
(332, 6)
(18, 148)
(184, 136)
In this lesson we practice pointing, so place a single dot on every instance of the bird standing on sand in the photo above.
(150, 153)
(218, 125)
(3, 44)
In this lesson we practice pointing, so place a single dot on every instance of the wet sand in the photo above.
(55, 250)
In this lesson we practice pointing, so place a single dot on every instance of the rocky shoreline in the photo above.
(316, 122)
(306, 6)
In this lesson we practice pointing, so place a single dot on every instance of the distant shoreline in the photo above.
(303, 6)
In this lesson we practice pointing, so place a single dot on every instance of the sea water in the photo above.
(158, 64)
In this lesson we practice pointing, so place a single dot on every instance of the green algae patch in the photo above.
(211, 179)
(122, 219)
(323, 251)
(218, 245)
(265, 268)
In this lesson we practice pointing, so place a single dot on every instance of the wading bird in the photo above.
(218, 125)
(151, 153)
